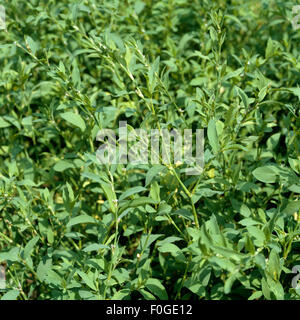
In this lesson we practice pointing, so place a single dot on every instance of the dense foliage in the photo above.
(73, 229)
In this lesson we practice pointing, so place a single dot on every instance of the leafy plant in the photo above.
(71, 228)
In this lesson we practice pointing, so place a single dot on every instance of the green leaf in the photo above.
(76, 76)
(153, 172)
(262, 93)
(43, 268)
(110, 195)
(3, 123)
(11, 295)
(121, 294)
(265, 289)
(245, 211)
(269, 49)
(204, 193)
(12, 255)
(257, 234)
(141, 201)
(53, 278)
(74, 119)
(131, 191)
(274, 265)
(223, 263)
(273, 141)
(276, 288)
(243, 96)
(63, 165)
(147, 295)
(295, 91)
(228, 284)
(292, 207)
(233, 74)
(198, 81)
(173, 249)
(93, 177)
(95, 247)
(265, 174)
(256, 295)
(30, 246)
(228, 253)
(196, 288)
(31, 44)
(155, 191)
(87, 279)
(213, 136)
(153, 71)
(155, 286)
(80, 219)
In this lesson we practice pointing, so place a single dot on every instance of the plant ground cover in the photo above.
(71, 228)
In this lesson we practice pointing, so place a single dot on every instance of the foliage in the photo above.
(73, 229)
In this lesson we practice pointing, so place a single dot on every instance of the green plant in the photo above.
(72, 229)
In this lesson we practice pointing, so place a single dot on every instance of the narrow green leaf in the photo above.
(30, 246)
(80, 219)
(213, 136)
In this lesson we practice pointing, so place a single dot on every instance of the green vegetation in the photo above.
(73, 229)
